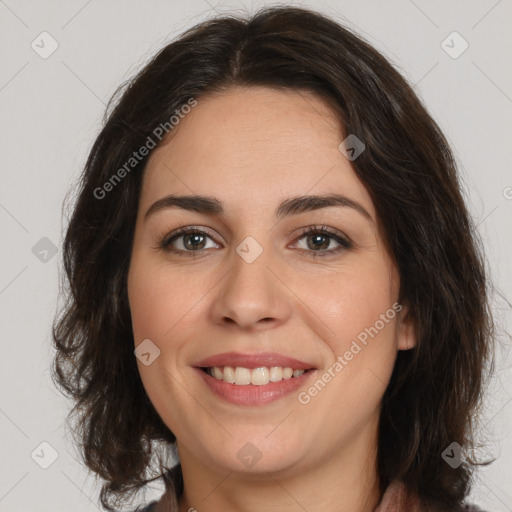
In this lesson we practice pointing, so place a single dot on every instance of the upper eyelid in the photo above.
(185, 230)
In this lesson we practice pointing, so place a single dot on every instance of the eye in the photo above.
(319, 238)
(189, 240)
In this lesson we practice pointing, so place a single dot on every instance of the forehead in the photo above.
(252, 147)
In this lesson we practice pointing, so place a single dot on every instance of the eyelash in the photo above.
(345, 244)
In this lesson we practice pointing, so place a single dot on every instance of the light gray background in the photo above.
(51, 111)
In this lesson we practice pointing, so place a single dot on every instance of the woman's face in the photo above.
(247, 281)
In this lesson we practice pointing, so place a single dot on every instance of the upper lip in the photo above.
(251, 361)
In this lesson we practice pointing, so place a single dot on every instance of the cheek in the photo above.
(356, 313)
(350, 302)
(361, 313)
(162, 307)
(161, 300)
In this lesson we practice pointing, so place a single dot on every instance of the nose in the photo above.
(252, 296)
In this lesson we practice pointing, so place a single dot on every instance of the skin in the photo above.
(252, 148)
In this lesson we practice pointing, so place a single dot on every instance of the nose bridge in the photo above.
(250, 291)
(250, 266)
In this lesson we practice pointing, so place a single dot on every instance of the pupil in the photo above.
(317, 238)
(196, 237)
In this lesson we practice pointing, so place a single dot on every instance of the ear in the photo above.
(405, 332)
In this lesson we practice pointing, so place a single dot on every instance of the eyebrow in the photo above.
(292, 206)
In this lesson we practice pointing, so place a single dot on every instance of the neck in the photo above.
(345, 480)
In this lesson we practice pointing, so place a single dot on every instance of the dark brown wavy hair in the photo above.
(435, 392)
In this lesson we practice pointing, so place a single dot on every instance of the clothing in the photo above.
(397, 498)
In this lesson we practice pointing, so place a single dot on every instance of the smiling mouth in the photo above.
(262, 376)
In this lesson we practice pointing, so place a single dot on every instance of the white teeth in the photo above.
(217, 372)
(242, 376)
(229, 374)
(276, 374)
(258, 376)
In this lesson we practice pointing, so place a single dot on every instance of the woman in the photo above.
(272, 273)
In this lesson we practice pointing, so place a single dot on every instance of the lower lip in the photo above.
(251, 394)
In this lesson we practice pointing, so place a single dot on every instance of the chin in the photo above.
(263, 453)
